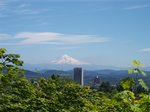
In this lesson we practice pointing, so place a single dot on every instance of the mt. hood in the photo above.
(66, 59)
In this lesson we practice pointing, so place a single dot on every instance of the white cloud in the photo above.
(4, 36)
(145, 50)
(8, 44)
(54, 38)
(135, 7)
(25, 9)
(22, 9)
(66, 59)
(3, 5)
(37, 38)
(23, 6)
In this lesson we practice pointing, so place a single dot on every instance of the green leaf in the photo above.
(17, 62)
(127, 83)
(125, 96)
(137, 63)
(142, 83)
(130, 71)
(13, 55)
(135, 108)
(1, 67)
(2, 51)
(142, 72)
(136, 70)
(8, 66)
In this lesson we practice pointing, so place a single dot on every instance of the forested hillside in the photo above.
(60, 94)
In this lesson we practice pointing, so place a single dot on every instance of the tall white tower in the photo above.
(78, 75)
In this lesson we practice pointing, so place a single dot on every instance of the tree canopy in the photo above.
(59, 94)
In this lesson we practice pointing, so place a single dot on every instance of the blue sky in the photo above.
(101, 32)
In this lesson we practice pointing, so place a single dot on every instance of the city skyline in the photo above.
(97, 32)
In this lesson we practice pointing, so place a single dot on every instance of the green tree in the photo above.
(127, 83)
(9, 62)
(144, 103)
(125, 102)
(106, 87)
(60, 94)
(138, 71)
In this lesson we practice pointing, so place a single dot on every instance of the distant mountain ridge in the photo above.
(67, 62)
(66, 67)
(113, 76)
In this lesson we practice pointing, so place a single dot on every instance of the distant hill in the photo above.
(30, 74)
(66, 67)
(113, 76)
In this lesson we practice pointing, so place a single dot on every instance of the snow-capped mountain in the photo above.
(66, 59)
(67, 62)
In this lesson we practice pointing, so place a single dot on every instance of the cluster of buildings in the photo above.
(79, 77)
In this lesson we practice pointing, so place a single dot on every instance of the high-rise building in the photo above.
(78, 75)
